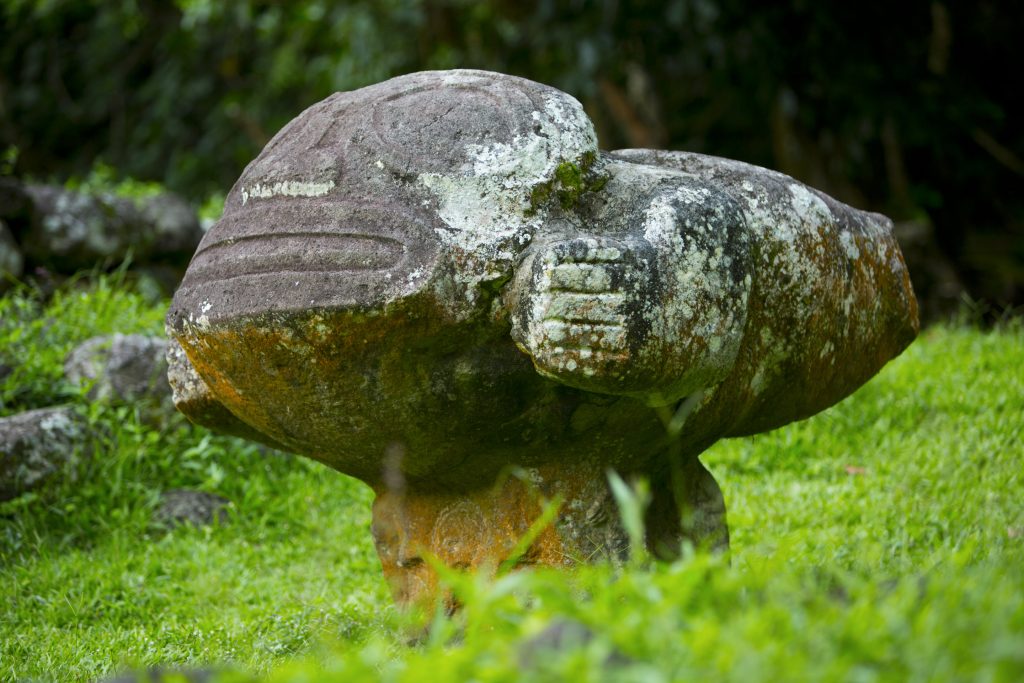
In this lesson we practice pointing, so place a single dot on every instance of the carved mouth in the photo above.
(296, 254)
(305, 237)
(300, 252)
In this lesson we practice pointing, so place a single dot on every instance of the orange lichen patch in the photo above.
(209, 412)
(480, 529)
(299, 378)
(341, 386)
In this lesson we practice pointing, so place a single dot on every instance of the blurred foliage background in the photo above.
(908, 108)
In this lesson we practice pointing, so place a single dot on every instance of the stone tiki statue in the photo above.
(439, 285)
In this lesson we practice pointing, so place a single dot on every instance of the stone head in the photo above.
(445, 261)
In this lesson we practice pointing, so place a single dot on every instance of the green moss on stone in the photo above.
(539, 197)
(570, 183)
(569, 175)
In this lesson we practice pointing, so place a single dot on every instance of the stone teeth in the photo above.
(587, 337)
(586, 307)
(580, 277)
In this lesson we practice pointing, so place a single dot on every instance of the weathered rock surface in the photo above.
(36, 445)
(120, 367)
(73, 230)
(563, 635)
(440, 285)
(183, 506)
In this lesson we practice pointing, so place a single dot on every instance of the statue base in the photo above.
(556, 516)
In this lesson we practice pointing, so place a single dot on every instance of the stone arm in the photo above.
(717, 276)
(650, 301)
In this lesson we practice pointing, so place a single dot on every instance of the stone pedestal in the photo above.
(490, 528)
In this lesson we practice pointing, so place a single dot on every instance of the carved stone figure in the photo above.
(439, 285)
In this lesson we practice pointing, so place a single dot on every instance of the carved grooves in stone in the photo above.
(296, 252)
(371, 243)
(582, 318)
(316, 122)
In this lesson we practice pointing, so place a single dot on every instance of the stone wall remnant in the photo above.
(50, 229)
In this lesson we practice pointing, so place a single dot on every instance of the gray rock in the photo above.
(11, 261)
(561, 636)
(73, 230)
(437, 280)
(120, 367)
(183, 506)
(38, 444)
(174, 226)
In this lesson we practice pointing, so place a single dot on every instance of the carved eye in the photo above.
(427, 127)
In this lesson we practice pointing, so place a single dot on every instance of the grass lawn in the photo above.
(882, 540)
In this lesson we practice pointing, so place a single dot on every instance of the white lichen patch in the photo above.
(849, 245)
(772, 350)
(581, 277)
(287, 188)
(704, 309)
(79, 221)
(811, 208)
(58, 423)
(486, 204)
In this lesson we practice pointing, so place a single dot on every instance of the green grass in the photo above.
(882, 540)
